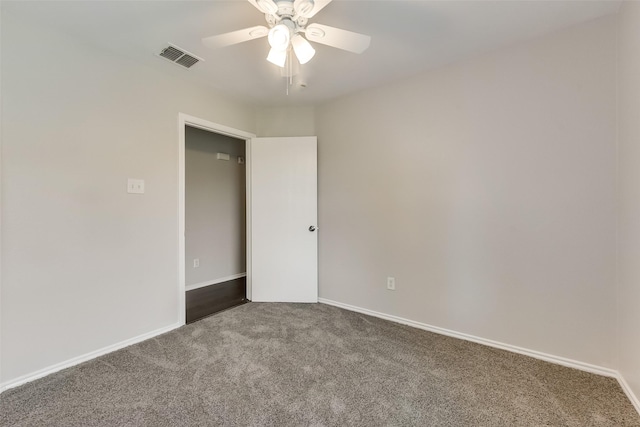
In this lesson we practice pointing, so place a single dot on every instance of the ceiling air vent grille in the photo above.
(179, 56)
(187, 61)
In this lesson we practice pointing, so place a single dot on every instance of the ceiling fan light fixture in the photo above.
(267, 6)
(303, 49)
(303, 7)
(277, 57)
(279, 37)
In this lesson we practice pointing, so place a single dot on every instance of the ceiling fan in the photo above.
(287, 20)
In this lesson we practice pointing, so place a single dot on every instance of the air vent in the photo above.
(179, 56)
(187, 61)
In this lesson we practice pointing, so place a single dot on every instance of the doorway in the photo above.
(215, 225)
(214, 218)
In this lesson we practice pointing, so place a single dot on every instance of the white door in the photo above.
(284, 240)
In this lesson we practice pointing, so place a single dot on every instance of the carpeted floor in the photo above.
(314, 365)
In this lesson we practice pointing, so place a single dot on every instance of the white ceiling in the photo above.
(407, 37)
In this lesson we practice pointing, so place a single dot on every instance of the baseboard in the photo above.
(214, 281)
(594, 369)
(442, 331)
(85, 357)
(627, 390)
(508, 347)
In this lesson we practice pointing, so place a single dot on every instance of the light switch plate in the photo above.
(135, 186)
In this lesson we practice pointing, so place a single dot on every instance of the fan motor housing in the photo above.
(285, 8)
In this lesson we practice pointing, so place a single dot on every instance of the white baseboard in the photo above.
(627, 390)
(214, 281)
(599, 370)
(85, 357)
(442, 331)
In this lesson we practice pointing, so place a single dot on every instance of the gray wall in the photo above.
(629, 195)
(84, 264)
(487, 188)
(286, 121)
(214, 207)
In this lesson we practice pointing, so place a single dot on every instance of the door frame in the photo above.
(196, 122)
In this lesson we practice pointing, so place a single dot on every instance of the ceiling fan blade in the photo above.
(234, 37)
(319, 5)
(335, 37)
(265, 6)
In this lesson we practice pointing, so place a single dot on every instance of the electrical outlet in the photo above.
(196, 263)
(391, 283)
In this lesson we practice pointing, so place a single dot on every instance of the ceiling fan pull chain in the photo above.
(290, 68)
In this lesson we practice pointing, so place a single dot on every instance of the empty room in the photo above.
(323, 213)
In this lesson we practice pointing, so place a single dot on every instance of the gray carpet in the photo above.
(314, 365)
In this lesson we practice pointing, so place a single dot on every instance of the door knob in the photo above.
(312, 228)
